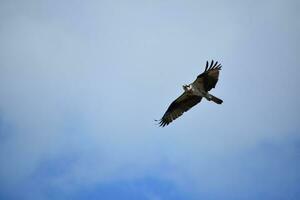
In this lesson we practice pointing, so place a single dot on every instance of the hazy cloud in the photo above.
(81, 85)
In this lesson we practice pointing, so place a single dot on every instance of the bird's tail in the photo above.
(216, 99)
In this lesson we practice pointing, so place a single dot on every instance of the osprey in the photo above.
(193, 93)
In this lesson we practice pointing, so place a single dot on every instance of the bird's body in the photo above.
(193, 93)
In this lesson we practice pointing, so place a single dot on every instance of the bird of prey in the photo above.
(193, 93)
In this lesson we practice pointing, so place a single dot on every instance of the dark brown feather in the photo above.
(178, 107)
(209, 78)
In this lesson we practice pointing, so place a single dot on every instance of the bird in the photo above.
(193, 93)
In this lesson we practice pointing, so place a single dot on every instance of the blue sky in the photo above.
(81, 83)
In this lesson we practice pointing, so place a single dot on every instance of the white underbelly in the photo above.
(197, 92)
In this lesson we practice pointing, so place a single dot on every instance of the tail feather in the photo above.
(216, 99)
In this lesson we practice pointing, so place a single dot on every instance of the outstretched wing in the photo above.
(209, 78)
(182, 104)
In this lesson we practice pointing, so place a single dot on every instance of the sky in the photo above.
(81, 83)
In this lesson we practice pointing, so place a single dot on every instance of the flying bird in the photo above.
(193, 93)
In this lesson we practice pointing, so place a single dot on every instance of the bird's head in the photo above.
(185, 88)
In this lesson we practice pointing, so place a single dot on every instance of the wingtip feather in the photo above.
(215, 64)
(211, 64)
(206, 66)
